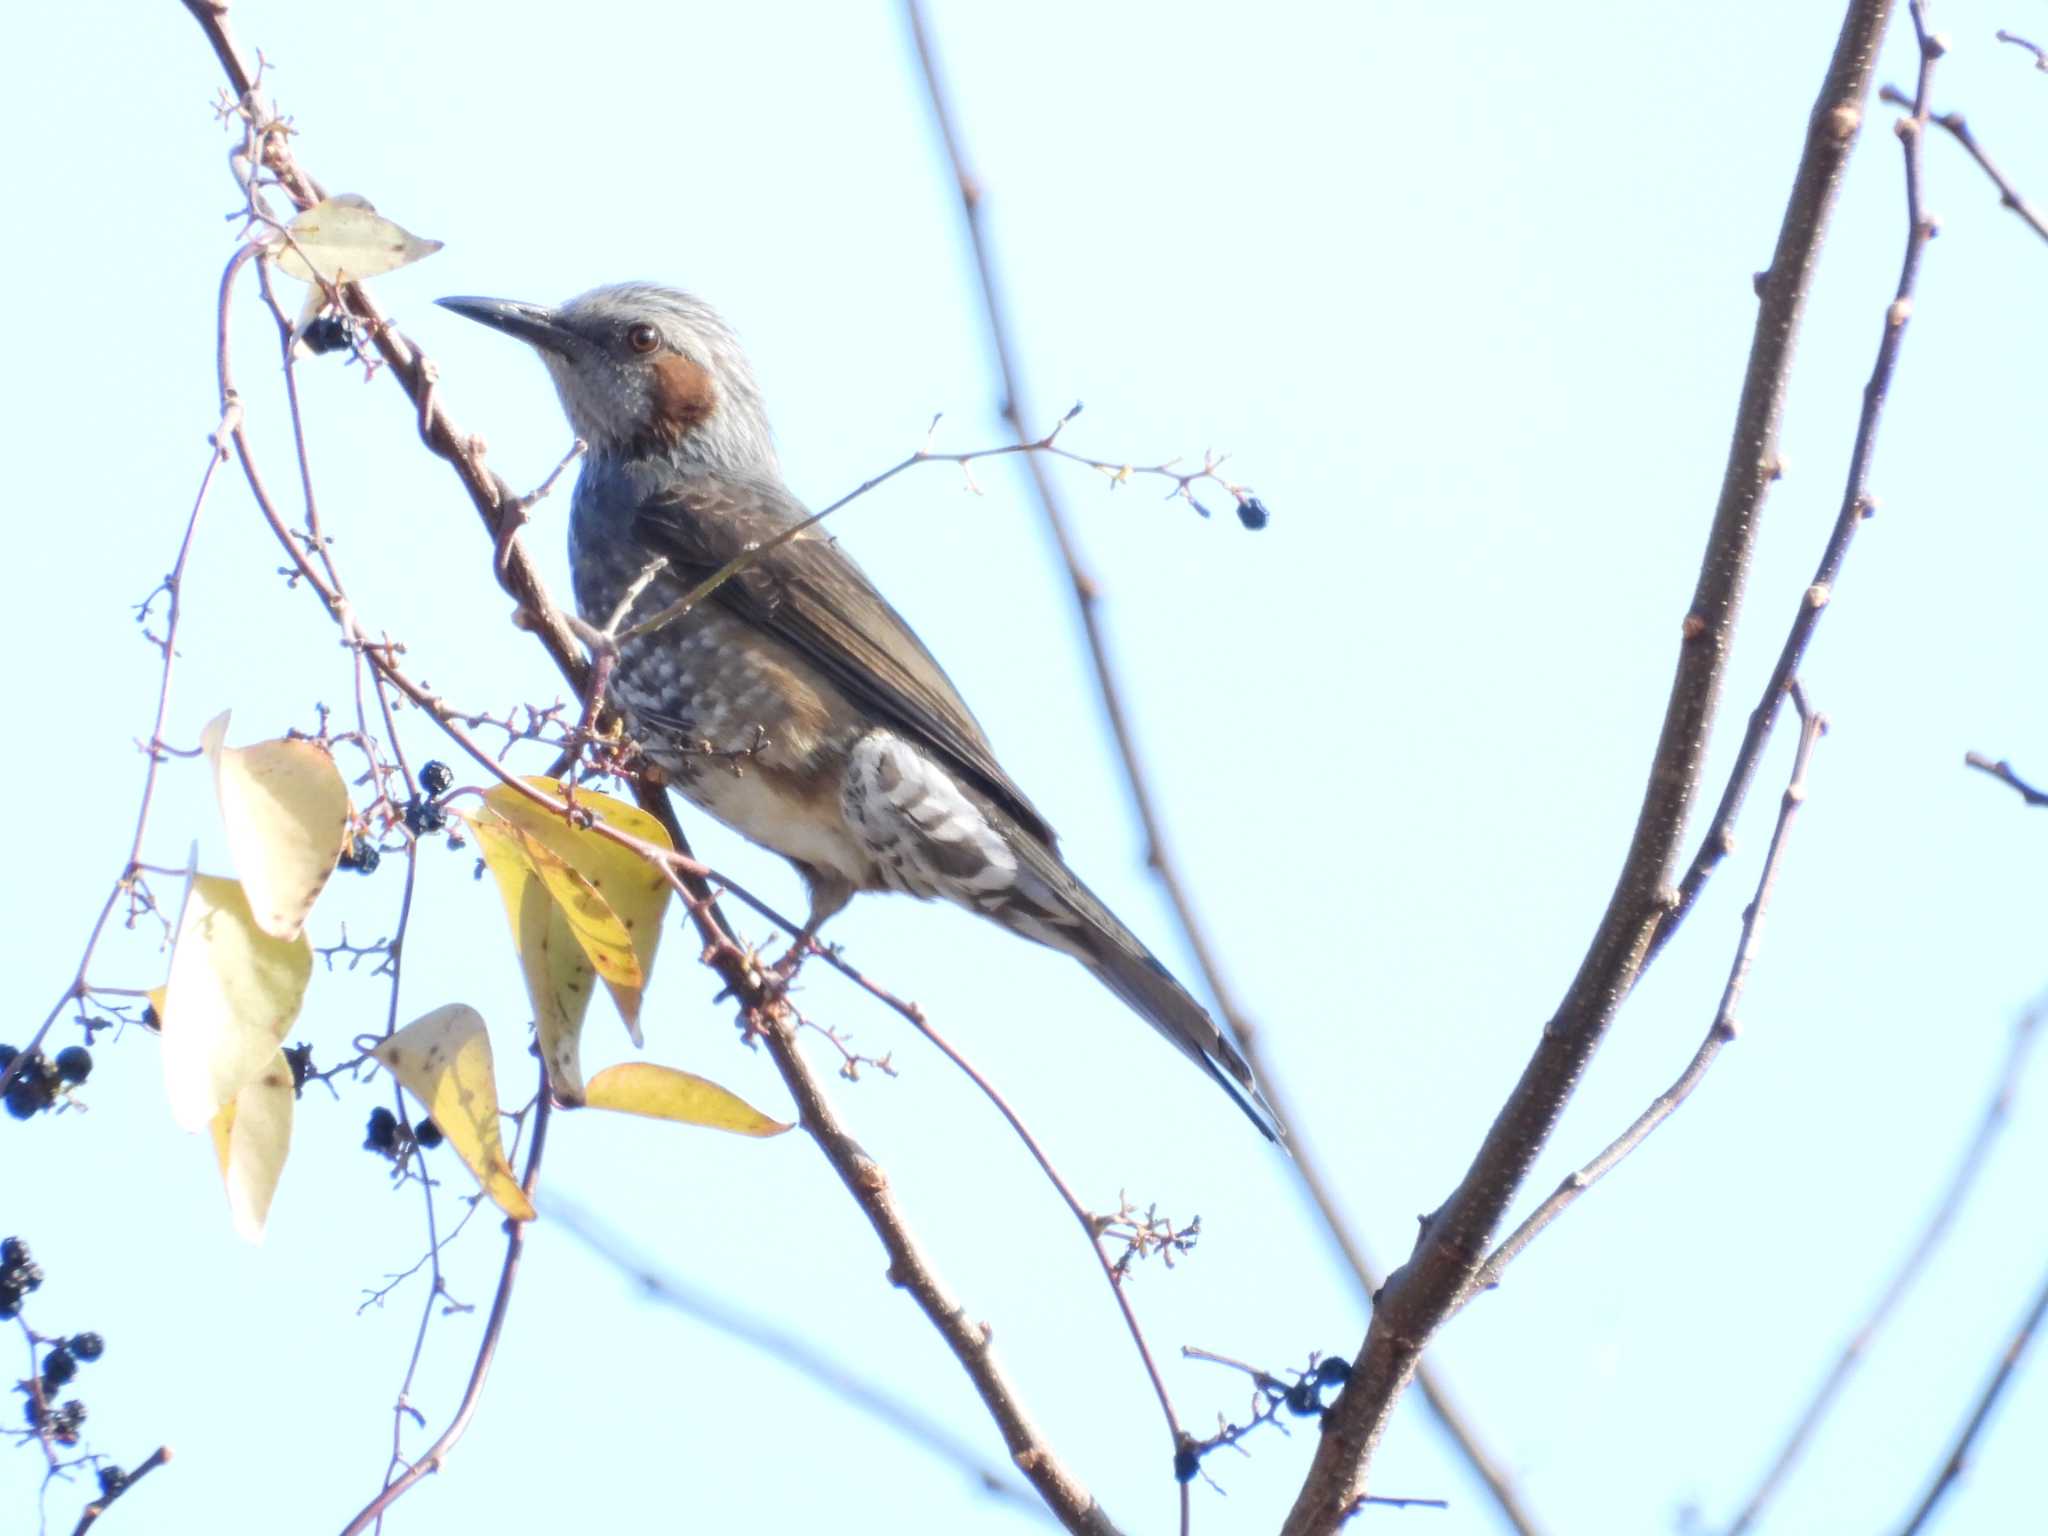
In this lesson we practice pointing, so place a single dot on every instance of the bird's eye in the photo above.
(643, 337)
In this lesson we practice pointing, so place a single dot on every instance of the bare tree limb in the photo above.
(1420, 1296)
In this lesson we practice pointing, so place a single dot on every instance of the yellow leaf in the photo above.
(634, 891)
(251, 1137)
(346, 240)
(558, 974)
(232, 995)
(664, 1093)
(286, 811)
(443, 1059)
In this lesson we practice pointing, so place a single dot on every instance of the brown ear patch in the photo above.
(681, 395)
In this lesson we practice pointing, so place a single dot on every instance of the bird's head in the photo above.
(642, 371)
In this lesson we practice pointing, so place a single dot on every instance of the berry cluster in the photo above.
(1303, 1399)
(61, 1422)
(423, 812)
(19, 1274)
(39, 1080)
(386, 1136)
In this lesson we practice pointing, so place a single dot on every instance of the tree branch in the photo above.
(1450, 1249)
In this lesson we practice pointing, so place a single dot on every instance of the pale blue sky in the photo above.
(1467, 297)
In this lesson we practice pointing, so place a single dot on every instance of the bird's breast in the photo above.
(747, 730)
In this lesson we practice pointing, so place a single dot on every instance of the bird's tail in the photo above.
(1057, 910)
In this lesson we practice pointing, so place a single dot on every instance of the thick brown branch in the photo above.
(1424, 1292)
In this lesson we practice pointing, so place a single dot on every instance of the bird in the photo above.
(794, 704)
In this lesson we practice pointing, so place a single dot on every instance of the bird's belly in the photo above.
(766, 807)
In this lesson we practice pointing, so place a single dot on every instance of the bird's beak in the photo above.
(534, 324)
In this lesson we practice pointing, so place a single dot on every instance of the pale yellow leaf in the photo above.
(558, 974)
(286, 811)
(251, 1137)
(443, 1059)
(665, 1093)
(635, 892)
(345, 240)
(232, 995)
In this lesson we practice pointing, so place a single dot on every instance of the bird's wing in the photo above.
(809, 594)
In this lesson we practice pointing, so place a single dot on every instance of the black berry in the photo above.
(7, 1055)
(1185, 1465)
(58, 1368)
(437, 778)
(112, 1481)
(32, 1411)
(1333, 1370)
(1302, 1399)
(64, 1424)
(88, 1346)
(300, 1059)
(360, 855)
(74, 1064)
(1252, 513)
(423, 816)
(10, 1301)
(427, 1134)
(27, 1095)
(329, 333)
(382, 1135)
(13, 1253)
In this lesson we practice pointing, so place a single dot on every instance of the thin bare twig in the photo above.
(2040, 54)
(89, 1516)
(1722, 1030)
(1086, 592)
(1424, 1292)
(1976, 1156)
(2003, 771)
(1958, 1458)
(1090, 1226)
(1958, 128)
(172, 587)
(487, 1351)
(1071, 1503)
